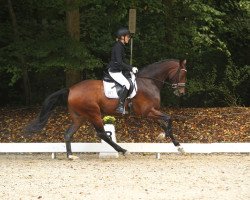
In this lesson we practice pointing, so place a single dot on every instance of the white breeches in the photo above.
(118, 76)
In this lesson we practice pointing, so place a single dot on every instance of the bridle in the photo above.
(173, 85)
(178, 84)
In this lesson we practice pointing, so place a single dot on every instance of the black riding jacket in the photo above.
(118, 55)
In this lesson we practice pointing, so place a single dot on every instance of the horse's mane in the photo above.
(152, 67)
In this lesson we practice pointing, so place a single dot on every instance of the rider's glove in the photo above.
(134, 70)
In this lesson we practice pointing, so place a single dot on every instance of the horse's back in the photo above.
(86, 84)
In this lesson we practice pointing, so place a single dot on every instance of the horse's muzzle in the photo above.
(179, 89)
(179, 92)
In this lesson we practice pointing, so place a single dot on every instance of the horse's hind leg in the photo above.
(68, 137)
(77, 122)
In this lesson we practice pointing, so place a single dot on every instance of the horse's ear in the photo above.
(183, 62)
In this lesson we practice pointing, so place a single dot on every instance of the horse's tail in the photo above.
(48, 106)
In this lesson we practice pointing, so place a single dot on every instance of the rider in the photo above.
(117, 66)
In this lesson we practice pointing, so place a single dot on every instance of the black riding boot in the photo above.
(122, 98)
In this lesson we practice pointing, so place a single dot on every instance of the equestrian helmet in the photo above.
(122, 32)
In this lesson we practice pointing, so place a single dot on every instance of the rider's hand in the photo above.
(134, 70)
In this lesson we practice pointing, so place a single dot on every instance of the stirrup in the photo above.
(120, 109)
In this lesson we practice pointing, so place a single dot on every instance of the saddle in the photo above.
(113, 88)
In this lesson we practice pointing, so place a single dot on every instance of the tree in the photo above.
(19, 56)
(212, 35)
(73, 27)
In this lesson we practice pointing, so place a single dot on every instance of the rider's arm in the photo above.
(118, 55)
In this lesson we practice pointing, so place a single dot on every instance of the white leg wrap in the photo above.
(72, 157)
(180, 149)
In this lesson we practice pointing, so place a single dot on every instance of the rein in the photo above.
(174, 85)
(164, 82)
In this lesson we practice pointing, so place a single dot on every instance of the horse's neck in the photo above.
(160, 72)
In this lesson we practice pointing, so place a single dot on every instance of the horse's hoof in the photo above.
(161, 137)
(72, 157)
(181, 150)
(126, 153)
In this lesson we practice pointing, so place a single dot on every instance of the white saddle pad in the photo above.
(110, 90)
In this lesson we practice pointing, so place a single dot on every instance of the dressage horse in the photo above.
(87, 101)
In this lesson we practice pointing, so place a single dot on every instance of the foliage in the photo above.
(197, 125)
(212, 35)
(109, 120)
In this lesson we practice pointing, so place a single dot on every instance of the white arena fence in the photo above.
(131, 147)
(106, 150)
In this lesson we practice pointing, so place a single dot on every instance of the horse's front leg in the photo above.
(166, 123)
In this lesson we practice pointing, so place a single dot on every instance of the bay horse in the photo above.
(87, 101)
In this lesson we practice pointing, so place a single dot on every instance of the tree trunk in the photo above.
(25, 76)
(73, 27)
(169, 20)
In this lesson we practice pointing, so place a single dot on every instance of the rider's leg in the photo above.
(122, 97)
(119, 78)
(124, 92)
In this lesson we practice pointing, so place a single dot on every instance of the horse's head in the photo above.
(174, 71)
(179, 79)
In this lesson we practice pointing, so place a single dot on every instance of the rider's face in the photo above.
(125, 39)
